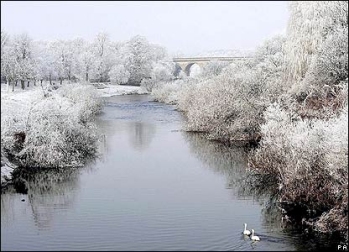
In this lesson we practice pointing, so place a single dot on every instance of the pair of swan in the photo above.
(248, 232)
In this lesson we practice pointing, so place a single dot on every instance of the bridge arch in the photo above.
(186, 67)
(185, 64)
(189, 67)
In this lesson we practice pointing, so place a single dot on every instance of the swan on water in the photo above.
(246, 232)
(254, 237)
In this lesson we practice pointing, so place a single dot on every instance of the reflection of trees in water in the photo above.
(8, 212)
(232, 163)
(48, 190)
(141, 134)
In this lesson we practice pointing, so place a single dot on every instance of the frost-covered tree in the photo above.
(87, 63)
(138, 59)
(119, 75)
(162, 71)
(103, 52)
(329, 66)
(309, 25)
(65, 55)
(214, 68)
(45, 61)
(57, 50)
(4, 43)
(10, 68)
(23, 48)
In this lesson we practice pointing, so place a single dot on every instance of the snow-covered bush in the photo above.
(167, 92)
(308, 157)
(55, 136)
(119, 75)
(50, 131)
(84, 98)
(226, 104)
(230, 106)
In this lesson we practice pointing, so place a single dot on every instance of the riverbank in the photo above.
(108, 90)
(51, 126)
(296, 117)
(154, 188)
(302, 149)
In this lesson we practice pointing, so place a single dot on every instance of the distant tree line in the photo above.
(24, 60)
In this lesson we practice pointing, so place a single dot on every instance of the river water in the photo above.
(154, 187)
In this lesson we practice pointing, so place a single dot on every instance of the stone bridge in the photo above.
(186, 63)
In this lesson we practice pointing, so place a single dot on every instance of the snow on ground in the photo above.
(107, 90)
(104, 90)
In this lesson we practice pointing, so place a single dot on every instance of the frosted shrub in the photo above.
(321, 103)
(212, 106)
(309, 158)
(228, 101)
(230, 106)
(51, 131)
(84, 98)
(13, 119)
(55, 137)
(167, 92)
(188, 90)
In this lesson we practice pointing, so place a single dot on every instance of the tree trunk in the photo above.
(13, 87)
(28, 84)
(50, 79)
(8, 84)
(41, 82)
(16, 82)
(86, 77)
(60, 80)
(22, 84)
(34, 82)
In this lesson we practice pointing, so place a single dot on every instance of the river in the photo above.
(155, 187)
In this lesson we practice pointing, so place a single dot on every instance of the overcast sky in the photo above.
(181, 27)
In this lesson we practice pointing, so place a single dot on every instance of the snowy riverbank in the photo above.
(16, 104)
(108, 90)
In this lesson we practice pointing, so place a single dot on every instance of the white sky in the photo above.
(181, 27)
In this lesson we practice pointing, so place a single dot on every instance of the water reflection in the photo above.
(232, 163)
(46, 192)
(141, 134)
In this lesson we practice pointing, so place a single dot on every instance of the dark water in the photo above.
(154, 188)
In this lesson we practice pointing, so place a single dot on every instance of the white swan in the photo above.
(246, 232)
(254, 237)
